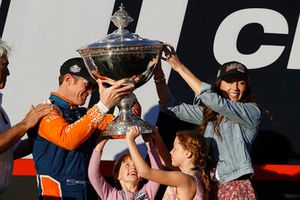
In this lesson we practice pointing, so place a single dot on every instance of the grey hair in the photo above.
(4, 48)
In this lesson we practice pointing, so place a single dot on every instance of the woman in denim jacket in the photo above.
(227, 114)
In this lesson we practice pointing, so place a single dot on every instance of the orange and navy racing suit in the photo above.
(62, 145)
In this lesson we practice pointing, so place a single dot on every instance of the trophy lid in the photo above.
(121, 41)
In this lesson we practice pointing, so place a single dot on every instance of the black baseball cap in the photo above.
(76, 66)
(232, 70)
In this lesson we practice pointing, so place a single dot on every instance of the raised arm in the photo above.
(162, 89)
(247, 114)
(184, 72)
(170, 178)
(163, 151)
(57, 130)
(97, 180)
(151, 187)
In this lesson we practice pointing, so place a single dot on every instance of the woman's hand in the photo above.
(171, 57)
(183, 71)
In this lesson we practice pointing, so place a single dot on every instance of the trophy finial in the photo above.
(121, 18)
(123, 55)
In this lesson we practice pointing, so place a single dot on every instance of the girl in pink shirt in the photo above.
(125, 174)
(188, 154)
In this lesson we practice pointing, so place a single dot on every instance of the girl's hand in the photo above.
(101, 138)
(101, 143)
(133, 132)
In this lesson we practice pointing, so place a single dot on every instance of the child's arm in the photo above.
(171, 178)
(184, 183)
(97, 180)
(163, 151)
(151, 187)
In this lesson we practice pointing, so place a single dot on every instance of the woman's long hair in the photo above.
(215, 117)
(194, 142)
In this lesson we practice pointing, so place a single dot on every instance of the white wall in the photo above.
(45, 33)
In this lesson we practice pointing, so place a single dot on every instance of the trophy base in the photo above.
(117, 129)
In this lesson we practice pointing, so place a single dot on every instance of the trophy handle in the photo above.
(167, 50)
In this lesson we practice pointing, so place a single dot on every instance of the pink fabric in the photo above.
(171, 192)
(106, 191)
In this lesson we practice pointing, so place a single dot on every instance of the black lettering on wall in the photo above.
(3, 14)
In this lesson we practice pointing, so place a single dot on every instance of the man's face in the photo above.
(4, 72)
(80, 90)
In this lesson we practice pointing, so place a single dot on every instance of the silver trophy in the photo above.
(119, 55)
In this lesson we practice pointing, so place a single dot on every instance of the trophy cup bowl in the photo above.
(120, 55)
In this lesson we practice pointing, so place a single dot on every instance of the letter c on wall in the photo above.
(225, 43)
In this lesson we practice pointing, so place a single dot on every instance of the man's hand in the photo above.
(12, 135)
(36, 113)
(112, 95)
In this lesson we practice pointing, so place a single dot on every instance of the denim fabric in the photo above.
(238, 130)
